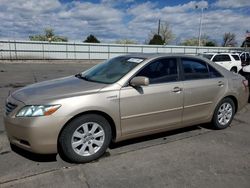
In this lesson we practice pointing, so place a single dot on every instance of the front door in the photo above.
(156, 106)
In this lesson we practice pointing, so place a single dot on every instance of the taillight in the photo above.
(245, 83)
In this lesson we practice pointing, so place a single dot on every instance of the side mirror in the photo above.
(139, 81)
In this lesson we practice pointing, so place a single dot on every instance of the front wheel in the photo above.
(86, 138)
(223, 114)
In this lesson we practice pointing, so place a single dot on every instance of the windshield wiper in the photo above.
(80, 76)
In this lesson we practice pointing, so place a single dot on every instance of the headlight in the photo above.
(37, 110)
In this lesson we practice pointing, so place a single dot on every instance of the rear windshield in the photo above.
(221, 57)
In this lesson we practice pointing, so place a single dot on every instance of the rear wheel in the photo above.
(223, 114)
(86, 138)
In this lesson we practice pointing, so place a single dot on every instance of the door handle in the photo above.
(220, 84)
(176, 90)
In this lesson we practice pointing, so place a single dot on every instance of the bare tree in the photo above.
(164, 31)
(229, 40)
(125, 41)
(48, 35)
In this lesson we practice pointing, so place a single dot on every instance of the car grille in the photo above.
(9, 107)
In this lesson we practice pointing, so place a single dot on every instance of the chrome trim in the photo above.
(200, 104)
(150, 113)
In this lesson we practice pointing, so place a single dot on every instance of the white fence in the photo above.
(12, 50)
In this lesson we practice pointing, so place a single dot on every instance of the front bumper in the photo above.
(38, 134)
(35, 134)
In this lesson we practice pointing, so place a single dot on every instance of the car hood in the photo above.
(56, 89)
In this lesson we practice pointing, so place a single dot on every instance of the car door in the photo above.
(156, 106)
(202, 87)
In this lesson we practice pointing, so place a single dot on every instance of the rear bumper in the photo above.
(35, 134)
(243, 98)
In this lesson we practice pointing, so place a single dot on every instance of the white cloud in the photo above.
(76, 19)
(232, 3)
(185, 7)
(184, 20)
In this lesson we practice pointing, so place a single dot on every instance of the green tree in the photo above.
(48, 35)
(210, 43)
(156, 40)
(91, 39)
(229, 40)
(205, 41)
(190, 42)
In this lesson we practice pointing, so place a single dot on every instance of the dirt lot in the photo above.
(190, 157)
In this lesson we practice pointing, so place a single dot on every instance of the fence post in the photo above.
(67, 51)
(10, 50)
(89, 50)
(75, 50)
(15, 49)
(108, 51)
(43, 50)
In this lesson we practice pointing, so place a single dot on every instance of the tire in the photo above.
(223, 114)
(85, 139)
(233, 69)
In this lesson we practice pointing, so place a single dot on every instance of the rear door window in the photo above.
(194, 69)
(213, 72)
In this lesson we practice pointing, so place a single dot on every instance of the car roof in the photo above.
(158, 55)
(220, 53)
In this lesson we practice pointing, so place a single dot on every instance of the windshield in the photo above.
(208, 56)
(112, 70)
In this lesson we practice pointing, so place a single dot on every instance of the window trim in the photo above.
(197, 60)
(236, 56)
(208, 66)
(153, 60)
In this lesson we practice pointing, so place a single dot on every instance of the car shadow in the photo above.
(33, 156)
(164, 135)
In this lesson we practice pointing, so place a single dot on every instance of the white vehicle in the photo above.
(230, 61)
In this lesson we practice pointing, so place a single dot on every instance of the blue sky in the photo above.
(111, 20)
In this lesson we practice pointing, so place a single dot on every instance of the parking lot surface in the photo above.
(192, 157)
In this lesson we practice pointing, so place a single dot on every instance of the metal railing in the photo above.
(18, 50)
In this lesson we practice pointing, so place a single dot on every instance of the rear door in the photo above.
(202, 87)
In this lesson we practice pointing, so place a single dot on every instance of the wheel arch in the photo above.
(103, 114)
(234, 99)
(234, 67)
